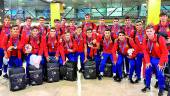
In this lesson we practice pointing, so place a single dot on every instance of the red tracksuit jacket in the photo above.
(101, 29)
(163, 28)
(87, 25)
(155, 48)
(107, 45)
(52, 45)
(26, 31)
(115, 29)
(15, 41)
(81, 42)
(71, 44)
(123, 47)
(43, 30)
(139, 40)
(129, 31)
(93, 50)
(71, 29)
(36, 43)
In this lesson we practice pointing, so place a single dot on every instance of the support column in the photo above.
(154, 7)
(2, 11)
(55, 12)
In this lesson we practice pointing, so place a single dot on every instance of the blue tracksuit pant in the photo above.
(104, 59)
(82, 58)
(119, 63)
(148, 73)
(139, 64)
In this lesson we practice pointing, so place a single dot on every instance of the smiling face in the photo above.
(164, 18)
(150, 33)
(52, 33)
(78, 31)
(57, 24)
(63, 21)
(18, 22)
(121, 36)
(127, 21)
(28, 22)
(35, 32)
(7, 21)
(101, 21)
(67, 35)
(115, 22)
(89, 33)
(139, 26)
(107, 34)
(87, 17)
(15, 31)
(41, 21)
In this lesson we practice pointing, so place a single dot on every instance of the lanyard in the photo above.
(150, 45)
(123, 47)
(107, 43)
(117, 29)
(140, 38)
(101, 29)
(15, 41)
(128, 30)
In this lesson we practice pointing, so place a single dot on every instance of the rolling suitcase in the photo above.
(17, 78)
(90, 70)
(35, 75)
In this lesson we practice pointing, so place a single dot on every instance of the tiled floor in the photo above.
(81, 87)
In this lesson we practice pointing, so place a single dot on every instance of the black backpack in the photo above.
(17, 78)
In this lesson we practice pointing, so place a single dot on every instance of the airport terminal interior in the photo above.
(144, 11)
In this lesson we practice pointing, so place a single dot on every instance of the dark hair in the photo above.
(107, 29)
(87, 14)
(7, 16)
(52, 28)
(34, 27)
(28, 18)
(116, 18)
(162, 14)
(72, 19)
(150, 26)
(14, 26)
(89, 29)
(79, 27)
(127, 17)
(64, 18)
(56, 20)
(121, 32)
(101, 17)
(41, 17)
(137, 21)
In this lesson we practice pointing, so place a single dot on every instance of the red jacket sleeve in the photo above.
(134, 46)
(114, 50)
(164, 51)
(146, 54)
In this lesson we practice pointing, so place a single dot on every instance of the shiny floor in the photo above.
(81, 87)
